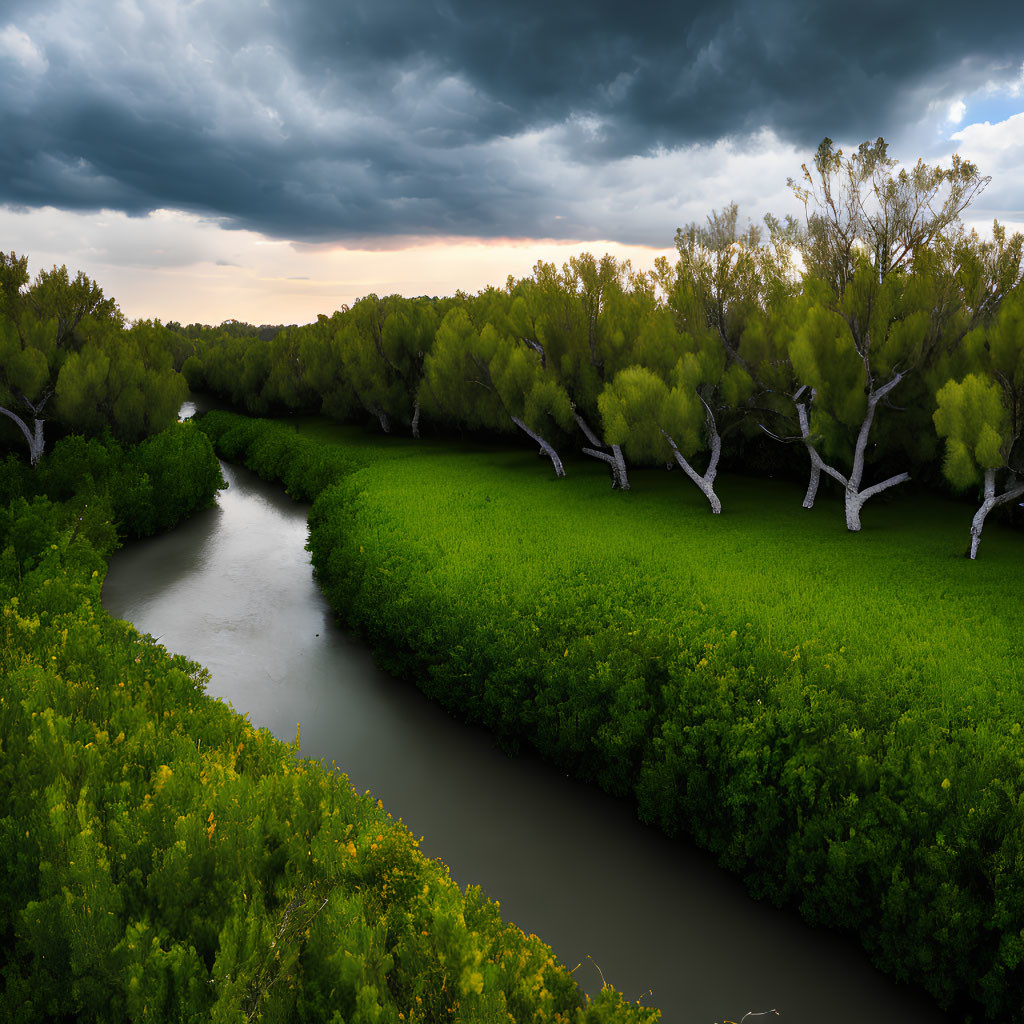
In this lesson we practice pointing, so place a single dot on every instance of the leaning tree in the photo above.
(582, 322)
(982, 416)
(867, 232)
(721, 295)
(485, 378)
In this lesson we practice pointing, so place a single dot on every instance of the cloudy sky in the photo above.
(272, 159)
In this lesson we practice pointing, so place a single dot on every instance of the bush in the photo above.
(277, 452)
(183, 476)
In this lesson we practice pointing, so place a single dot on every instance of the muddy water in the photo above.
(232, 589)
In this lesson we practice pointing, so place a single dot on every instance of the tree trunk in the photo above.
(543, 445)
(620, 466)
(620, 480)
(382, 416)
(853, 504)
(978, 522)
(854, 496)
(817, 463)
(855, 499)
(1013, 490)
(34, 437)
(812, 485)
(706, 482)
(416, 418)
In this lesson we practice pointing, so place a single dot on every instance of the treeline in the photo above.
(70, 364)
(875, 342)
(866, 339)
(161, 859)
(231, 328)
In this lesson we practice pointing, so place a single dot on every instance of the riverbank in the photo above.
(161, 859)
(881, 771)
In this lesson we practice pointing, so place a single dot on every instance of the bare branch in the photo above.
(778, 437)
(603, 456)
(870, 492)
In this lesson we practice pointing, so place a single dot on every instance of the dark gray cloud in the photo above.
(314, 120)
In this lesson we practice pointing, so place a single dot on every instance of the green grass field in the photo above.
(896, 600)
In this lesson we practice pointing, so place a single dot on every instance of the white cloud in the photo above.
(176, 266)
(18, 46)
(992, 139)
(998, 150)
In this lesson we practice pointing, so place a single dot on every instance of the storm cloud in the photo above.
(318, 121)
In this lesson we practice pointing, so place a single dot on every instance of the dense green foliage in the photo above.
(66, 355)
(145, 488)
(852, 747)
(305, 467)
(160, 859)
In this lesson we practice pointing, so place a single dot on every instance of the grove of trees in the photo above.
(866, 335)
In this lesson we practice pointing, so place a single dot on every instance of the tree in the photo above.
(971, 277)
(582, 322)
(982, 416)
(710, 338)
(867, 234)
(323, 371)
(113, 382)
(851, 353)
(41, 326)
(286, 386)
(490, 380)
(365, 366)
(978, 274)
(652, 418)
(406, 340)
(856, 208)
(382, 345)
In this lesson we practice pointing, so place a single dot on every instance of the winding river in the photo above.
(232, 589)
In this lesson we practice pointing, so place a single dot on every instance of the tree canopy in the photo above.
(66, 354)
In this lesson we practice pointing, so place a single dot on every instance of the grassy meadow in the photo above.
(896, 600)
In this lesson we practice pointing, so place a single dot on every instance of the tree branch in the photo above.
(603, 456)
(777, 437)
(870, 492)
(538, 348)
(585, 427)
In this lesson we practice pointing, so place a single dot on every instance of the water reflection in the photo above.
(232, 588)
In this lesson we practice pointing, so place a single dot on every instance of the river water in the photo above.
(232, 588)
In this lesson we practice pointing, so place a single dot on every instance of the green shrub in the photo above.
(144, 488)
(183, 476)
(276, 452)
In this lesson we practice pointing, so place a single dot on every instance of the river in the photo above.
(232, 588)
